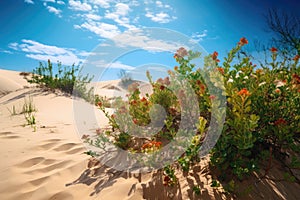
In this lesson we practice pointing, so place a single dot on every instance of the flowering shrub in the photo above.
(262, 112)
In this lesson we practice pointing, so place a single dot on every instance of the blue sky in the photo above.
(69, 30)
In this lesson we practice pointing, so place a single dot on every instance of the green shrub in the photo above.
(64, 79)
(262, 112)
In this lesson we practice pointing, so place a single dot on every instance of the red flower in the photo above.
(214, 55)
(133, 102)
(280, 121)
(162, 87)
(273, 50)
(202, 88)
(244, 92)
(296, 58)
(243, 41)
(220, 69)
(151, 144)
(99, 104)
(212, 97)
(296, 77)
(167, 180)
(277, 90)
(135, 121)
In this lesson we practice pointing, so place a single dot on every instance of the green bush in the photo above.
(262, 112)
(65, 79)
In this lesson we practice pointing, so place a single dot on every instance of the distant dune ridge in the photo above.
(49, 162)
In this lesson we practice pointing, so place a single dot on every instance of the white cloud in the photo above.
(101, 29)
(139, 39)
(5, 51)
(51, 9)
(119, 65)
(29, 1)
(51, 1)
(159, 4)
(60, 2)
(42, 52)
(197, 37)
(101, 3)
(93, 17)
(13, 46)
(120, 15)
(78, 6)
(160, 17)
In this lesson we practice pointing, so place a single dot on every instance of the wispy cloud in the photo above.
(119, 65)
(60, 2)
(120, 15)
(161, 17)
(51, 1)
(138, 38)
(101, 29)
(197, 37)
(56, 11)
(5, 51)
(29, 1)
(159, 12)
(78, 6)
(43, 52)
(101, 3)
(93, 17)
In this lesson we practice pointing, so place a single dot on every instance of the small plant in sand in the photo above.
(65, 79)
(12, 111)
(29, 112)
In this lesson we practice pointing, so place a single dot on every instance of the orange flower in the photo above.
(176, 68)
(296, 58)
(280, 121)
(277, 90)
(243, 41)
(99, 104)
(273, 50)
(135, 121)
(244, 92)
(151, 144)
(221, 70)
(214, 55)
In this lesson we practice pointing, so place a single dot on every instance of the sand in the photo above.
(47, 161)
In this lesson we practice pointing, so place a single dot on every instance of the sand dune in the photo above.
(48, 161)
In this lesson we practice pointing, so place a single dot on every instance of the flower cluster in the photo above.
(243, 41)
(280, 121)
(151, 146)
(215, 56)
(244, 92)
(181, 52)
